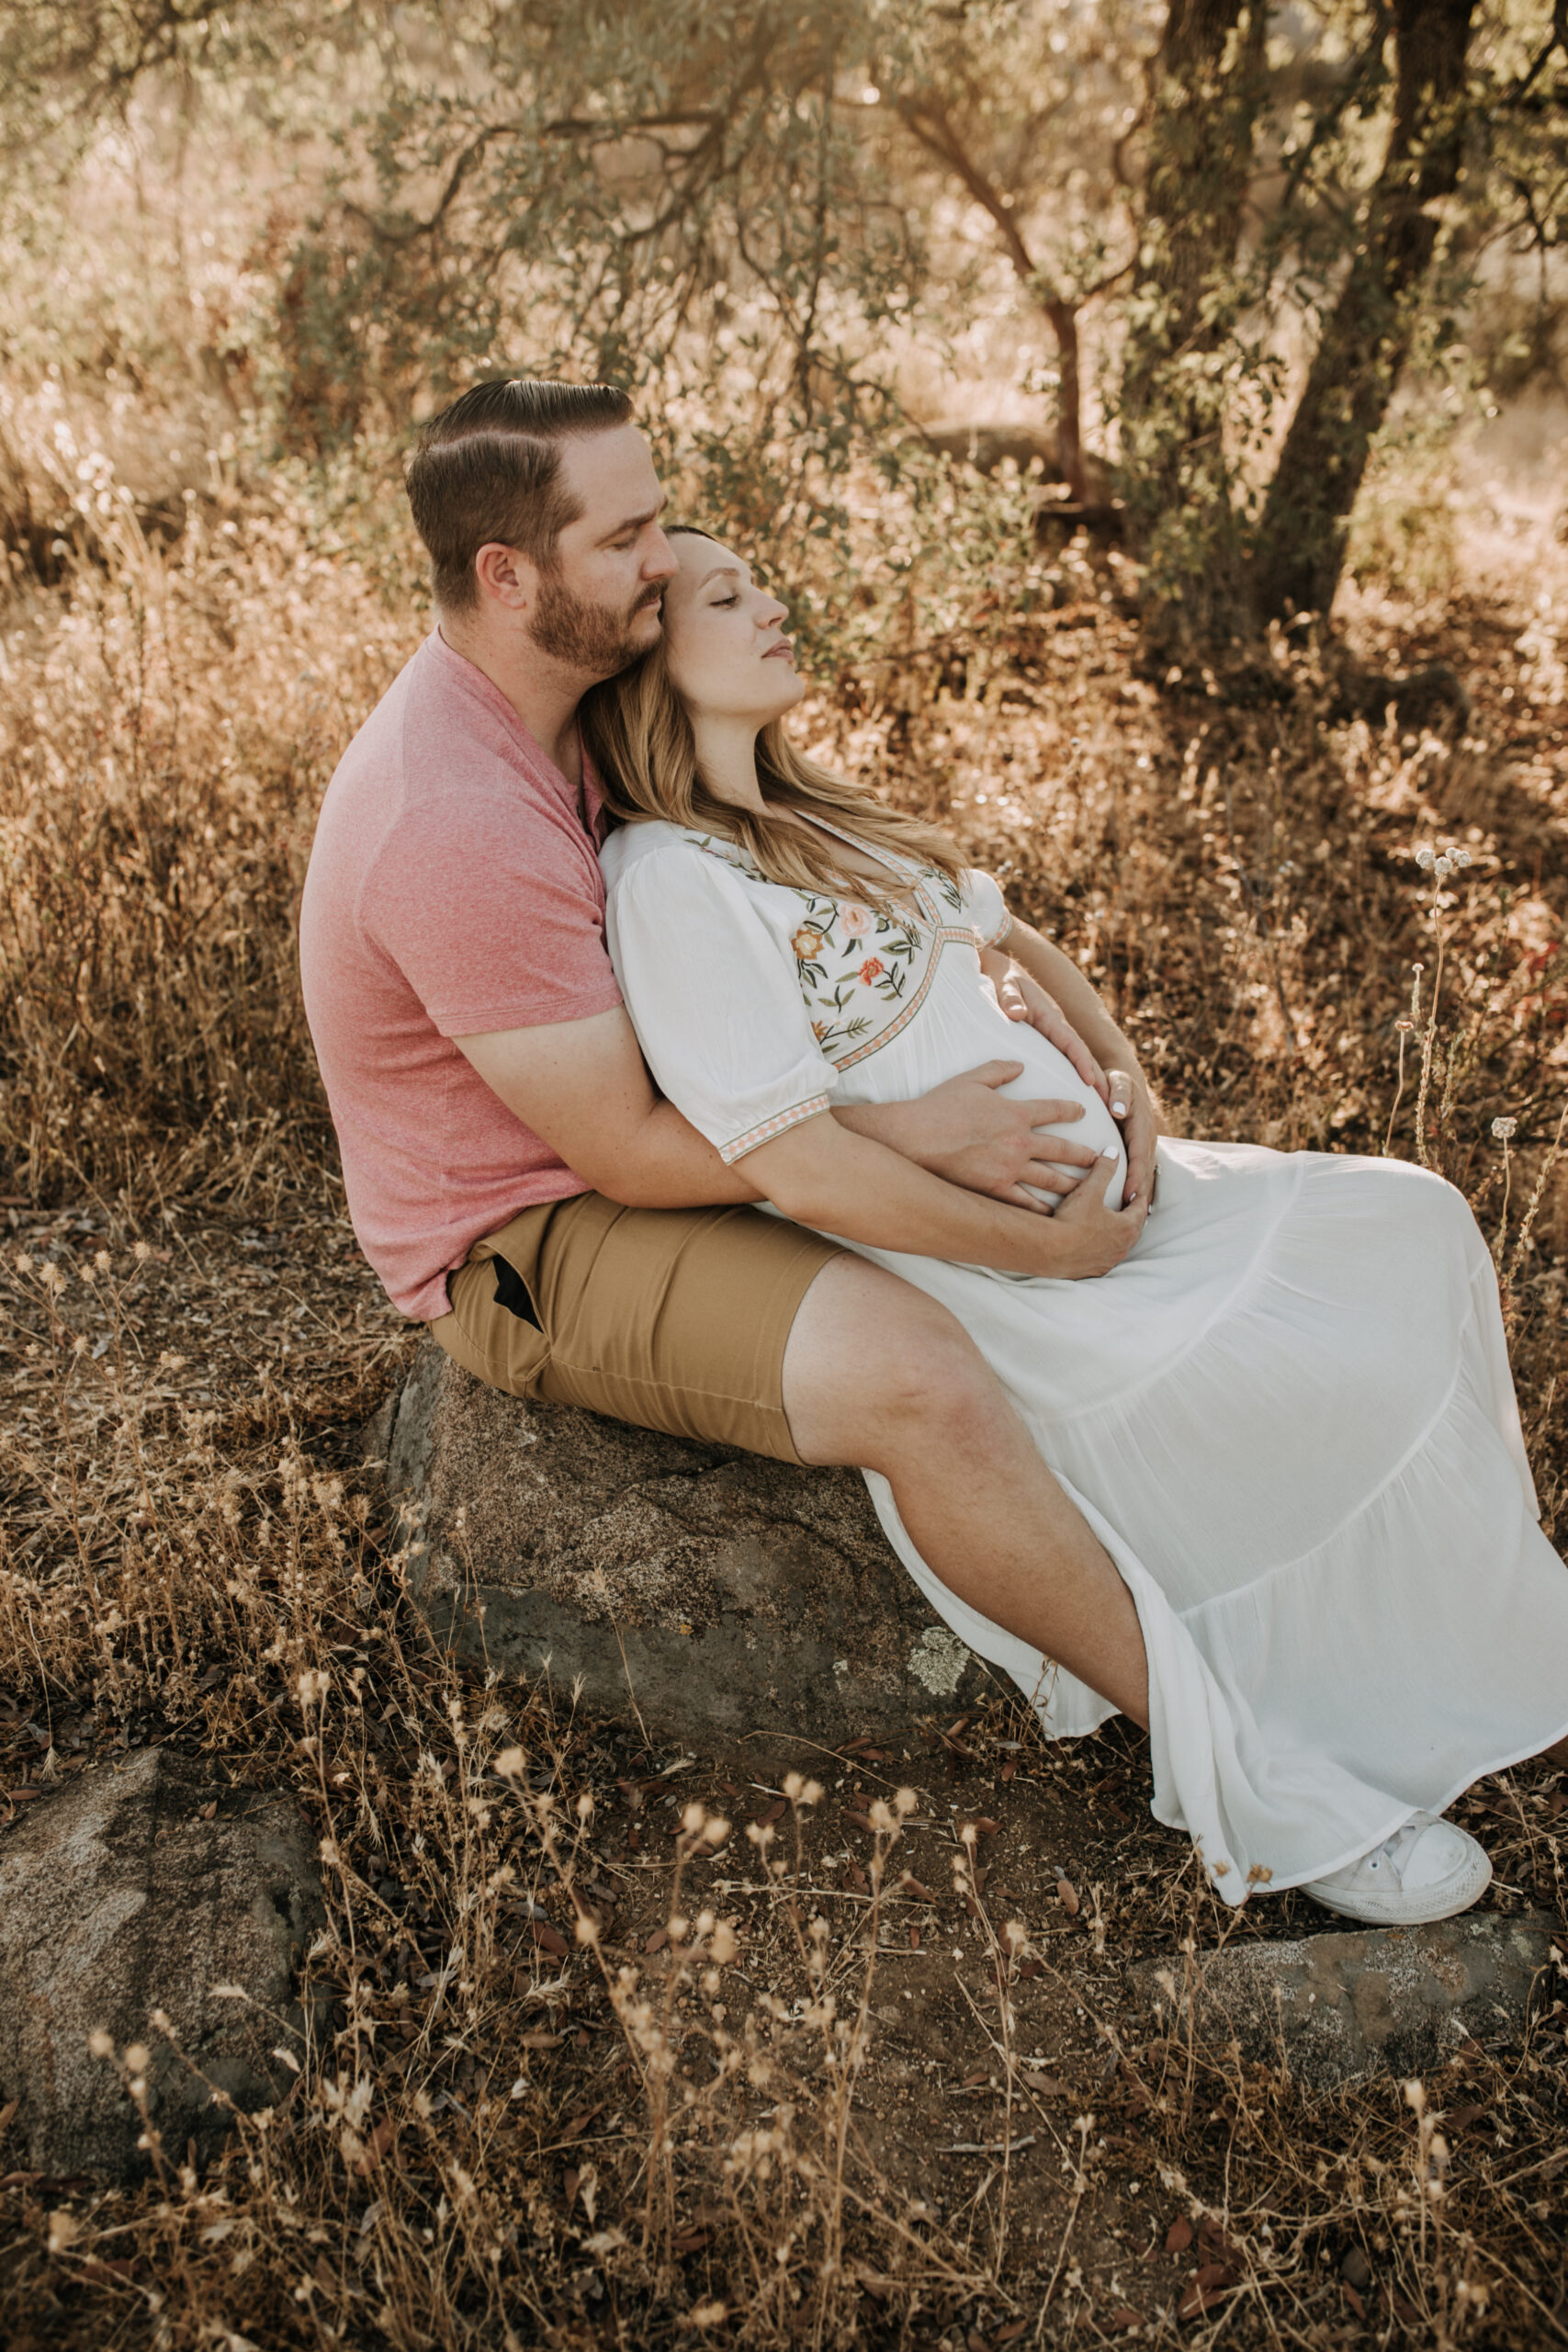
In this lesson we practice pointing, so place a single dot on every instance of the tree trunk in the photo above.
(1301, 536)
(1064, 321)
(929, 119)
(1210, 83)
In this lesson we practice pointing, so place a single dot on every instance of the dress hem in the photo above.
(1402, 1813)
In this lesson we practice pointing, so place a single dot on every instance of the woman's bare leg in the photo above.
(877, 1374)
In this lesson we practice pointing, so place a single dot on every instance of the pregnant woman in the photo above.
(1284, 1404)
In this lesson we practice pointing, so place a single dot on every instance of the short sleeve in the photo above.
(709, 981)
(987, 908)
(495, 920)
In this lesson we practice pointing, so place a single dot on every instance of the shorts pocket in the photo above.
(493, 1329)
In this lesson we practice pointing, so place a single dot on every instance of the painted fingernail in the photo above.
(1120, 1109)
(1109, 1153)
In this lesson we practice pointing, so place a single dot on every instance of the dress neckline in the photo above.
(893, 862)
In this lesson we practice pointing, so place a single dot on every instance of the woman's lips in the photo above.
(783, 652)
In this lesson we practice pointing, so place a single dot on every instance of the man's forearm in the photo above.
(892, 1124)
(669, 1165)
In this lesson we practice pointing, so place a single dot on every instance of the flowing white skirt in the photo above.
(1289, 1418)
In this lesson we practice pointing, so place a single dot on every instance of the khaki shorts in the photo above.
(675, 1319)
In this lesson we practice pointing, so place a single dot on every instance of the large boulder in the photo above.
(119, 1896)
(1338, 2007)
(695, 1589)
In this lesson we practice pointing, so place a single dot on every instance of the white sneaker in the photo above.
(1429, 1869)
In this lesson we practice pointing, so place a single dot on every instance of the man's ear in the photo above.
(506, 577)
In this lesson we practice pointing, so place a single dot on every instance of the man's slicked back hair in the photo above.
(489, 468)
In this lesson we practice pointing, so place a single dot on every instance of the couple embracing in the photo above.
(678, 1078)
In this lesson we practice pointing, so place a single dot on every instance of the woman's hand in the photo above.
(1022, 998)
(1132, 1106)
(1091, 1239)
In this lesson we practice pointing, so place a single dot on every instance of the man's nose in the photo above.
(660, 563)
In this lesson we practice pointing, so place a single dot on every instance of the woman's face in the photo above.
(724, 647)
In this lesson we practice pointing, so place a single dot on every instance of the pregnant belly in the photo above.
(959, 1027)
(1048, 1075)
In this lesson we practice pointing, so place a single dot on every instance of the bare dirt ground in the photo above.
(1016, 2157)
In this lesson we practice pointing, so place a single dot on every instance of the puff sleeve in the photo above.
(707, 971)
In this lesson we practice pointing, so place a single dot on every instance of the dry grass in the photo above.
(594, 2068)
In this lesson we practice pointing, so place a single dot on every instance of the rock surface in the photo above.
(1336, 2008)
(117, 1898)
(729, 1594)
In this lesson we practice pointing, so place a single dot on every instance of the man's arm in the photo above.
(584, 1087)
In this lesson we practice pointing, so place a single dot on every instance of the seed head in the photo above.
(1505, 1129)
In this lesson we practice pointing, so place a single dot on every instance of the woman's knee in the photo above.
(881, 1367)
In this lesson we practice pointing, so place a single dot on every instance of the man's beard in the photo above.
(588, 637)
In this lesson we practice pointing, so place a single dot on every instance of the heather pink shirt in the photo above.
(452, 889)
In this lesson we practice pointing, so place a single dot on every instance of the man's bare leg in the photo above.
(877, 1374)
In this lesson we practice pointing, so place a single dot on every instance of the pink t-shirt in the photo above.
(452, 889)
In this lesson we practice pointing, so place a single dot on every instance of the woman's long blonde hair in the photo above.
(638, 735)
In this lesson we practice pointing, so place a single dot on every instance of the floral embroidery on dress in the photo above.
(864, 973)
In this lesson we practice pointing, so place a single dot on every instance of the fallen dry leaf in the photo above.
(1210, 2285)
(1067, 1896)
(383, 2138)
(105, 2273)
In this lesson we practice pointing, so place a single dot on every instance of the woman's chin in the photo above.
(760, 703)
(790, 690)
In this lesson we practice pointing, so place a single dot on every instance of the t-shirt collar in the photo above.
(487, 689)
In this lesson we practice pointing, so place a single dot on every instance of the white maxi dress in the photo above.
(1288, 1414)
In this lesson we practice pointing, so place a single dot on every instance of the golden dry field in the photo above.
(612, 2045)
(510, 2129)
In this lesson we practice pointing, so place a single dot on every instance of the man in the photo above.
(511, 1172)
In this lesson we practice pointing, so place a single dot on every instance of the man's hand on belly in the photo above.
(967, 1133)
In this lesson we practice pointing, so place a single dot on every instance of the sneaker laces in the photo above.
(1395, 1851)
